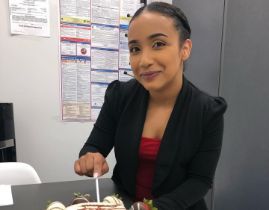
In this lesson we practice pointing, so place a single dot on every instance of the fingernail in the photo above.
(95, 174)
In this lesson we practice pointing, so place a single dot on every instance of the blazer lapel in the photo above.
(129, 136)
(171, 140)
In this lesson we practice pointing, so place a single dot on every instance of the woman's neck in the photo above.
(168, 95)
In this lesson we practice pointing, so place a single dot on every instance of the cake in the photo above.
(95, 206)
(84, 202)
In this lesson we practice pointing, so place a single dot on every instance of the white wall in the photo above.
(30, 79)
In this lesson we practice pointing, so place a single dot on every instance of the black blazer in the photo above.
(189, 150)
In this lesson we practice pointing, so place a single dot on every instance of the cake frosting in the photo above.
(86, 202)
(83, 202)
(95, 206)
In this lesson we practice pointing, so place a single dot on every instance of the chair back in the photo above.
(17, 173)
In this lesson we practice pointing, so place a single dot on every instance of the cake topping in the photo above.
(56, 205)
(113, 199)
(80, 198)
(85, 202)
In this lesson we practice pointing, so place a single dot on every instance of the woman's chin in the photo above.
(152, 87)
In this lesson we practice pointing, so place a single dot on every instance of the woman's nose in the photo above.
(146, 59)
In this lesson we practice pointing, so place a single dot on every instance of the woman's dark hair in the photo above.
(168, 10)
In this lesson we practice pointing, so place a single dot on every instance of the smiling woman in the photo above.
(167, 132)
(156, 53)
(154, 57)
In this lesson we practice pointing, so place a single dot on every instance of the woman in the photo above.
(166, 133)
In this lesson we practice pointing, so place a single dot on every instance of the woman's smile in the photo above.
(149, 75)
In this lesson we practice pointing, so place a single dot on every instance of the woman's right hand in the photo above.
(91, 164)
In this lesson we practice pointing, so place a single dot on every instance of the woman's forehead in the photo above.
(151, 22)
(147, 17)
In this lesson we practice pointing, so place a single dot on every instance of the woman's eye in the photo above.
(134, 49)
(158, 44)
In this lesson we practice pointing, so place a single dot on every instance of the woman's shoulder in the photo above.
(206, 100)
(120, 93)
(121, 85)
(123, 88)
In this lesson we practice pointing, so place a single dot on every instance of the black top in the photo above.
(189, 150)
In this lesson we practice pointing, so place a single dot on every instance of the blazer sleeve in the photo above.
(101, 138)
(201, 170)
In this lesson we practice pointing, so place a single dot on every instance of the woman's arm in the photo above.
(101, 140)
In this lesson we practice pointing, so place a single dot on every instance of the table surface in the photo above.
(37, 196)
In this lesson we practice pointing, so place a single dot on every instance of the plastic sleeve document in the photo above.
(29, 17)
(6, 198)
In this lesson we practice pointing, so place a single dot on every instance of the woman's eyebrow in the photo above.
(132, 42)
(152, 36)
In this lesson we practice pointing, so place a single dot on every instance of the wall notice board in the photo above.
(94, 52)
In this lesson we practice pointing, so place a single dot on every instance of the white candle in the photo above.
(97, 190)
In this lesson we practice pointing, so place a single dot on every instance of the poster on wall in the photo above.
(94, 52)
(75, 49)
(29, 17)
(105, 42)
(166, 1)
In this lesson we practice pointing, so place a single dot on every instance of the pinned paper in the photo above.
(6, 198)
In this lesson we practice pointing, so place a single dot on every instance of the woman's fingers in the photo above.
(91, 164)
(105, 168)
(77, 167)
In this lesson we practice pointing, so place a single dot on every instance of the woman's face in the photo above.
(156, 56)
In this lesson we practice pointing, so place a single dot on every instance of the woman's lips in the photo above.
(148, 76)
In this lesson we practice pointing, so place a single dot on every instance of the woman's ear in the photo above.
(186, 49)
